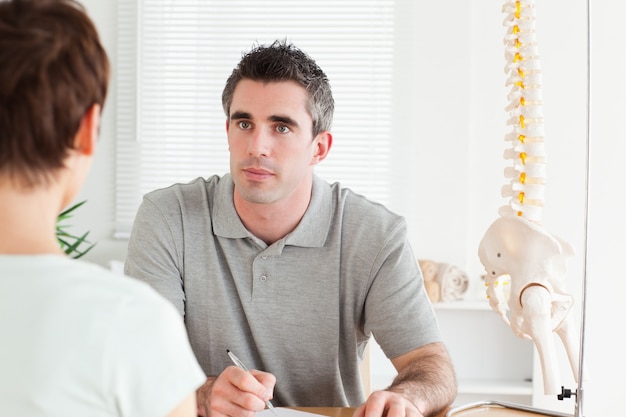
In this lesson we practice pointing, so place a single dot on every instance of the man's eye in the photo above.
(244, 125)
(282, 129)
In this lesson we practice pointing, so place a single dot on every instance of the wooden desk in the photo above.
(336, 411)
(502, 409)
(488, 411)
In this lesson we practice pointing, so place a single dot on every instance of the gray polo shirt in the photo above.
(302, 308)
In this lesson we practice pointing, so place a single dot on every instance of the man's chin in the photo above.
(255, 195)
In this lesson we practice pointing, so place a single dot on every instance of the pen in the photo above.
(240, 364)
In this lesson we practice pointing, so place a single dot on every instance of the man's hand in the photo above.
(235, 393)
(389, 404)
(425, 386)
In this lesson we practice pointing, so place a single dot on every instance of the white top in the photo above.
(79, 340)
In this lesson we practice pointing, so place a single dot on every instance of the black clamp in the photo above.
(565, 393)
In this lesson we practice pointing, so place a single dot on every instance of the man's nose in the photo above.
(259, 144)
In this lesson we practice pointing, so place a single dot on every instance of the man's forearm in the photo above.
(202, 396)
(429, 383)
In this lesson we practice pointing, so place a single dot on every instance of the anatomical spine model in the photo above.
(516, 247)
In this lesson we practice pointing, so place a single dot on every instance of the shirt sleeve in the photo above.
(155, 251)
(398, 311)
(151, 367)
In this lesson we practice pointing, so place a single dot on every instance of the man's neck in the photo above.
(271, 222)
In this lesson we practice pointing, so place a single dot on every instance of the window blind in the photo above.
(173, 59)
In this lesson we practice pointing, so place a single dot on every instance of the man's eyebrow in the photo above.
(285, 120)
(240, 115)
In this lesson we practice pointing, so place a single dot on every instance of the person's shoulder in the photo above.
(179, 189)
(361, 205)
(108, 285)
(93, 290)
(186, 196)
(109, 297)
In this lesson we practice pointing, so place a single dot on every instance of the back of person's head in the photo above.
(282, 61)
(53, 70)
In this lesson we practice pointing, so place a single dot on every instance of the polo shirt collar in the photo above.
(310, 232)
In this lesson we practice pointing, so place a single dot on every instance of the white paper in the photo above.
(285, 412)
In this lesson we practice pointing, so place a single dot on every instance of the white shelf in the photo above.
(491, 362)
(478, 305)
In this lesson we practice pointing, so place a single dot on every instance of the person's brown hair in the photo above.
(53, 69)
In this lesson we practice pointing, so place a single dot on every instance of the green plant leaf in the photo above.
(71, 244)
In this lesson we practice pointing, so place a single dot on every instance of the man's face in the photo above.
(272, 151)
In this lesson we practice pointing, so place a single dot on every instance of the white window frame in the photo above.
(173, 58)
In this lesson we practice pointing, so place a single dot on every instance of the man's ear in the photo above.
(88, 131)
(323, 143)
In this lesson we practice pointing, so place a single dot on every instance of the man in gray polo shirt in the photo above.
(289, 272)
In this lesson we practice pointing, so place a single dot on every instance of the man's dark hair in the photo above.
(282, 61)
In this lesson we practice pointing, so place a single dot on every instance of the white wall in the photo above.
(605, 332)
(97, 214)
(449, 130)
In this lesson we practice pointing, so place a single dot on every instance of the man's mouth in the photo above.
(257, 174)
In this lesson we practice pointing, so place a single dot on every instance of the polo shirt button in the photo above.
(264, 257)
(263, 278)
